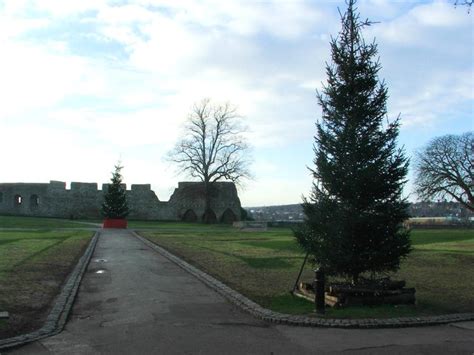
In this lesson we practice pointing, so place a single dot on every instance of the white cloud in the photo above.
(286, 19)
(15, 27)
(122, 130)
(426, 62)
(281, 19)
(274, 191)
(59, 8)
(441, 92)
(377, 10)
(169, 48)
(125, 14)
(36, 76)
(84, 110)
(422, 21)
(440, 14)
(43, 153)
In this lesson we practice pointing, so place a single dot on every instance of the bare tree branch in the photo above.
(467, 3)
(445, 169)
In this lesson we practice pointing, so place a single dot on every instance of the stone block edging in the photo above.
(62, 305)
(265, 314)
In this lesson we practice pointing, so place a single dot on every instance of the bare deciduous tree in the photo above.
(467, 3)
(212, 147)
(445, 169)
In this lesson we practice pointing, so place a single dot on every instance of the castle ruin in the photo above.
(84, 200)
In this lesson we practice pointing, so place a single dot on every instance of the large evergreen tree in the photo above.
(115, 199)
(355, 211)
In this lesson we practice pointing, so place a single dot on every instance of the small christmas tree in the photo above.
(115, 200)
(354, 216)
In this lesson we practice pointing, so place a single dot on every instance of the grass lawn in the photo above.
(39, 222)
(177, 226)
(264, 266)
(33, 266)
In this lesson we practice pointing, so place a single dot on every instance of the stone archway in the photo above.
(228, 216)
(189, 216)
(211, 217)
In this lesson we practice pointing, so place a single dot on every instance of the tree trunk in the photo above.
(355, 279)
(207, 203)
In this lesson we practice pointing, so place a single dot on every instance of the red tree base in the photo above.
(114, 223)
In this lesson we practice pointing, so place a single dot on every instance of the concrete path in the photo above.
(134, 301)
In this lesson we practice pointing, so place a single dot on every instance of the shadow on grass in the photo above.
(441, 236)
(29, 234)
(445, 251)
(282, 262)
(7, 241)
(279, 245)
(433, 269)
(287, 303)
(266, 263)
(39, 252)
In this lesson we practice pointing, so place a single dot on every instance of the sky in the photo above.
(86, 83)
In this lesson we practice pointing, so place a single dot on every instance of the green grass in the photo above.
(176, 226)
(19, 247)
(33, 265)
(264, 266)
(38, 222)
(261, 265)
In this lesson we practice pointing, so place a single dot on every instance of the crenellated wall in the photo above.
(83, 200)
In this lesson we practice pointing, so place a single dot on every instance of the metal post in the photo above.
(319, 286)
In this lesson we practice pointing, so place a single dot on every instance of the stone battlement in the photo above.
(141, 187)
(84, 200)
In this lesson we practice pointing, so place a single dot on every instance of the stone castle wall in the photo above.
(84, 200)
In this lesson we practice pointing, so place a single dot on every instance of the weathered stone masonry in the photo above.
(83, 200)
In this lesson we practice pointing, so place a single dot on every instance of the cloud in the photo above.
(54, 8)
(15, 27)
(43, 153)
(264, 192)
(96, 80)
(36, 76)
(426, 62)
(435, 20)
(277, 18)
(169, 49)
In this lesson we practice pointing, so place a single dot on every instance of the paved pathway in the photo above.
(134, 301)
